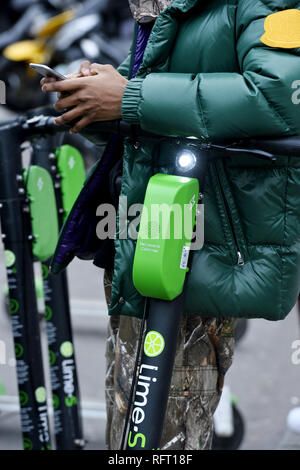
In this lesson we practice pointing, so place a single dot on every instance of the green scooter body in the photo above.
(43, 208)
(165, 234)
(43, 212)
(71, 169)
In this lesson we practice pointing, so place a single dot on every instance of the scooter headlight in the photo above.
(186, 161)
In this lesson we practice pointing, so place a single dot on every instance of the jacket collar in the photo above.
(184, 5)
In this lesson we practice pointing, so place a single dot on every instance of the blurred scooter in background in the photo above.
(58, 34)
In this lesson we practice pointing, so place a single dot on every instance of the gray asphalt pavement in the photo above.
(266, 382)
(263, 376)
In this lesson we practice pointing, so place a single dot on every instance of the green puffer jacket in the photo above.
(206, 73)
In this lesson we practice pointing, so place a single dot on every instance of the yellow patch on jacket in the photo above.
(282, 29)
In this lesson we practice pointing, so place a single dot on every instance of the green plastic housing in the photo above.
(43, 211)
(71, 168)
(164, 239)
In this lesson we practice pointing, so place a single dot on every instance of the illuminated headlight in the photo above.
(186, 160)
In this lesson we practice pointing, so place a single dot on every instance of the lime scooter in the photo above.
(29, 233)
(65, 164)
(168, 261)
(17, 239)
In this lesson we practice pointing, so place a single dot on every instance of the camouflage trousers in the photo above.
(144, 11)
(204, 354)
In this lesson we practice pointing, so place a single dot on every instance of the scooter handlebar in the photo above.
(288, 146)
(263, 147)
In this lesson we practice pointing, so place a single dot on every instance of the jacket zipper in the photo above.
(240, 258)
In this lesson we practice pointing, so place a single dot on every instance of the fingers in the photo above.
(85, 68)
(66, 102)
(69, 116)
(62, 86)
(95, 69)
(47, 80)
(73, 75)
(85, 121)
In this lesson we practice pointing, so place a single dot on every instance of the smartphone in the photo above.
(46, 71)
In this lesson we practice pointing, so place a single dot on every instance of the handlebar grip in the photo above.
(286, 146)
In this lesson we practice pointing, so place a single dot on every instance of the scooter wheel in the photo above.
(233, 442)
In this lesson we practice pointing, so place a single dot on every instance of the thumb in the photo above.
(85, 68)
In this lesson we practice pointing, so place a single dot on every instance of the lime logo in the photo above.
(134, 442)
(40, 394)
(154, 344)
(23, 398)
(40, 184)
(18, 350)
(10, 258)
(71, 162)
(66, 349)
(52, 357)
(13, 306)
(55, 400)
(48, 313)
(192, 202)
(27, 444)
(70, 401)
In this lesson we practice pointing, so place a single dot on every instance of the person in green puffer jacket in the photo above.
(208, 71)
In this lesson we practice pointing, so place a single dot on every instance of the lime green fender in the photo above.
(166, 229)
(71, 168)
(43, 212)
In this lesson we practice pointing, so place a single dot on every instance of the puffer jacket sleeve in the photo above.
(123, 68)
(255, 101)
